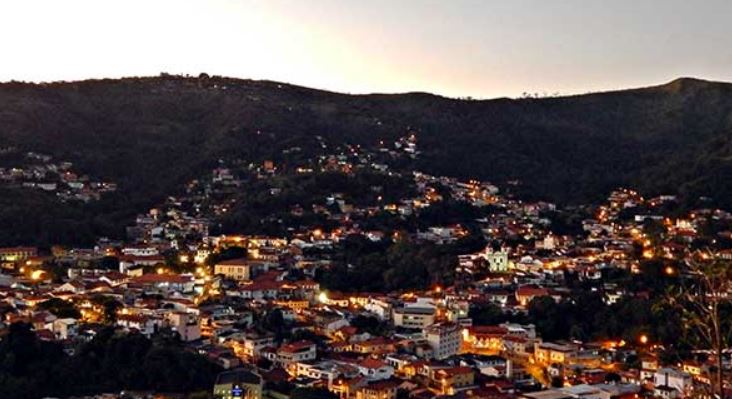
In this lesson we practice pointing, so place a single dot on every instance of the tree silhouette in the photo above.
(701, 299)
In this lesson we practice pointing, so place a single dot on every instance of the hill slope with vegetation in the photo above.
(150, 135)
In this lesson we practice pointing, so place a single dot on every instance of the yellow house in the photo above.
(386, 389)
(451, 380)
(549, 352)
(237, 269)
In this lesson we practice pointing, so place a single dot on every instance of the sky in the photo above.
(457, 48)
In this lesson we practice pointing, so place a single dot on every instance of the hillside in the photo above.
(149, 135)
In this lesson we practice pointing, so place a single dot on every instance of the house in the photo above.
(144, 324)
(374, 369)
(380, 307)
(492, 366)
(140, 250)
(457, 312)
(296, 352)
(666, 392)
(185, 324)
(347, 387)
(224, 358)
(593, 376)
(166, 282)
(253, 343)
(113, 278)
(451, 380)
(236, 269)
(499, 297)
(400, 361)
(41, 319)
(649, 366)
(335, 299)
(129, 262)
(527, 331)
(350, 334)
(549, 352)
(74, 286)
(330, 322)
(260, 289)
(326, 370)
(375, 345)
(64, 328)
(386, 389)
(672, 378)
(486, 337)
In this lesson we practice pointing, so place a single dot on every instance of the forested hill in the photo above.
(151, 134)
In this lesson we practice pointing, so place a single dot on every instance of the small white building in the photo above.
(379, 307)
(672, 378)
(64, 328)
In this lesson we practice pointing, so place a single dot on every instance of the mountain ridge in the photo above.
(682, 81)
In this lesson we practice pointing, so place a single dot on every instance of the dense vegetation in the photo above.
(152, 134)
(387, 266)
(257, 211)
(110, 362)
(32, 217)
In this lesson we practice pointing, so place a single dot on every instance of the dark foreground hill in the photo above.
(151, 134)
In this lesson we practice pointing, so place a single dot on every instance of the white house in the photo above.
(672, 378)
(374, 369)
(64, 328)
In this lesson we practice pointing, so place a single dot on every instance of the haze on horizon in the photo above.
(476, 48)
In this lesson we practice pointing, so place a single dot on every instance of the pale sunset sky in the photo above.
(479, 48)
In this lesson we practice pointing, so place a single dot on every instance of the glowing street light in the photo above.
(37, 274)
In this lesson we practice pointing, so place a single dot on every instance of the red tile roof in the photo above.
(163, 278)
(234, 262)
(532, 291)
(371, 363)
(297, 346)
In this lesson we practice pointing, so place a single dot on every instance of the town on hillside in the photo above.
(353, 275)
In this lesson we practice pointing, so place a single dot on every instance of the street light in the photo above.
(37, 274)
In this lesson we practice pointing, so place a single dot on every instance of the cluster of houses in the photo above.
(263, 316)
(39, 171)
(425, 343)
